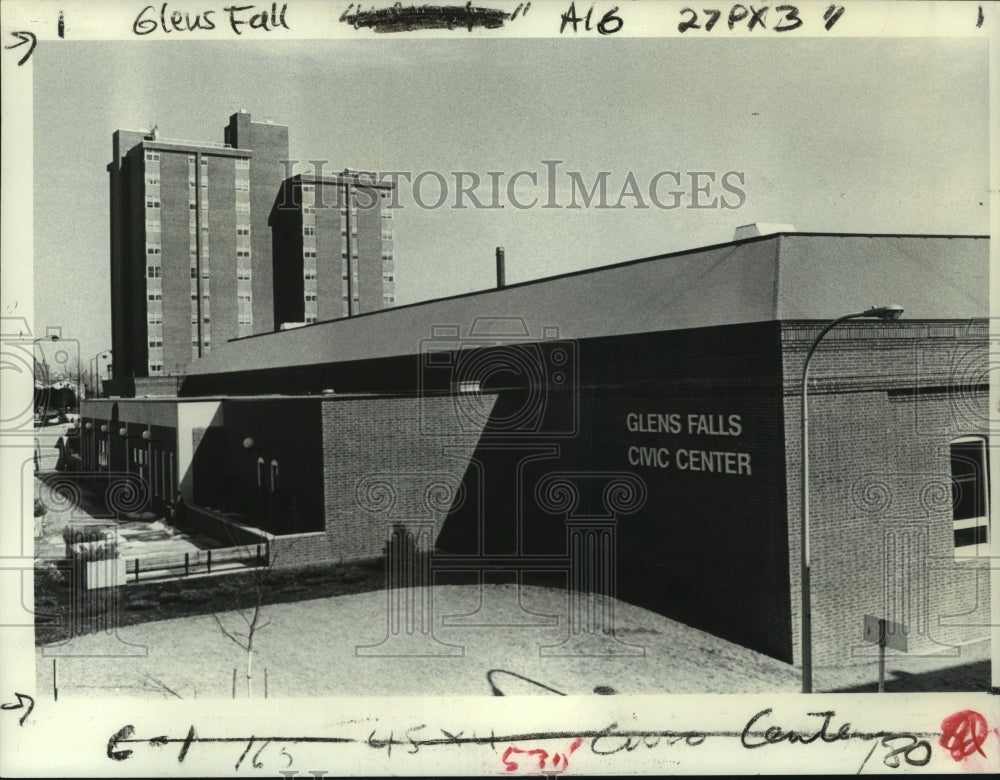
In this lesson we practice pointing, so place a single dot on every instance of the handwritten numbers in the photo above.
(790, 16)
(24, 37)
(916, 752)
(559, 761)
(609, 23)
(784, 17)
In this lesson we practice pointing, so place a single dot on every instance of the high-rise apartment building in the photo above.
(191, 249)
(333, 247)
(213, 241)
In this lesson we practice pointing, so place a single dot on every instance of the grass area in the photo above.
(57, 602)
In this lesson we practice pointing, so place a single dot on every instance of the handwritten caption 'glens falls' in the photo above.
(239, 17)
(686, 459)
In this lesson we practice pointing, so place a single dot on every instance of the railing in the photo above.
(200, 561)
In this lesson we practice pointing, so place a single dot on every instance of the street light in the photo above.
(95, 372)
(891, 312)
(45, 363)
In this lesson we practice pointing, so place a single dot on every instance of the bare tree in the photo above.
(253, 619)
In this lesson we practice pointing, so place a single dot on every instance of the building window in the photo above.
(243, 162)
(152, 155)
(260, 473)
(308, 231)
(155, 297)
(969, 491)
(152, 250)
(274, 476)
(154, 271)
(243, 274)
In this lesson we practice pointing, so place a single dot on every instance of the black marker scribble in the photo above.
(400, 18)
(24, 37)
(902, 747)
(23, 701)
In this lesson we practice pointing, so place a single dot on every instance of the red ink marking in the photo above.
(963, 734)
(541, 755)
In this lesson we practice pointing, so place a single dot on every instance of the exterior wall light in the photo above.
(123, 431)
(248, 443)
(146, 435)
(104, 429)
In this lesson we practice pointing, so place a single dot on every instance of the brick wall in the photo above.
(385, 461)
(883, 407)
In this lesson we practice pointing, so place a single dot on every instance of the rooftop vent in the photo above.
(761, 229)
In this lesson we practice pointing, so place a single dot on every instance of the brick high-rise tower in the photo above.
(191, 247)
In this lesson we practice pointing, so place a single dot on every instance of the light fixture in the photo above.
(890, 312)
(104, 429)
(146, 435)
(123, 431)
(88, 426)
(248, 443)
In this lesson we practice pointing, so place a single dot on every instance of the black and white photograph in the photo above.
(498, 388)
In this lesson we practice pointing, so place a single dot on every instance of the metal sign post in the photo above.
(887, 634)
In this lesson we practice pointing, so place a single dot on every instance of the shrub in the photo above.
(75, 534)
(96, 551)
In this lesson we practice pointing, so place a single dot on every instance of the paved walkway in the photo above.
(142, 539)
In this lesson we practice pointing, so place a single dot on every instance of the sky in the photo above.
(828, 135)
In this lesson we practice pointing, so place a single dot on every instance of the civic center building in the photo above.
(637, 425)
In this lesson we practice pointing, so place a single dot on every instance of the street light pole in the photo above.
(891, 312)
(46, 392)
(96, 373)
